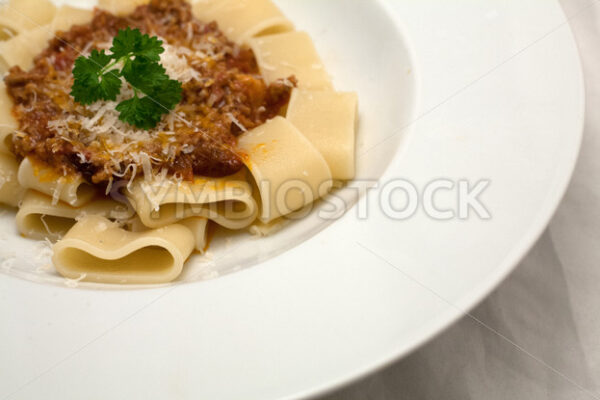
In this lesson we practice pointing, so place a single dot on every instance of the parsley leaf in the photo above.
(140, 112)
(145, 75)
(168, 95)
(131, 43)
(91, 84)
(98, 77)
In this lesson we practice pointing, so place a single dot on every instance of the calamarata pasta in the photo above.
(127, 131)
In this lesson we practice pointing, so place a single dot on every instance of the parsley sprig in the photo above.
(136, 58)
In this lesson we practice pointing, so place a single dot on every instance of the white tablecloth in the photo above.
(549, 308)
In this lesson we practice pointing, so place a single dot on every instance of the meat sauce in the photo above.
(230, 98)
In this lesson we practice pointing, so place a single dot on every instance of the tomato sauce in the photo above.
(230, 97)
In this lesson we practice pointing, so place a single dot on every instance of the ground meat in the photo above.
(230, 97)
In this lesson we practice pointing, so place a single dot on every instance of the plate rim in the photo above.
(518, 252)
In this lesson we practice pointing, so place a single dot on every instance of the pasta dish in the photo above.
(128, 130)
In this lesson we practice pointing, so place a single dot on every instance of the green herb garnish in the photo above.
(135, 57)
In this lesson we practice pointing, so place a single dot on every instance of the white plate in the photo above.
(501, 99)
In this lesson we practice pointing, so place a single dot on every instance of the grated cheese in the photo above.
(73, 283)
(237, 122)
(175, 61)
(98, 125)
(43, 219)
